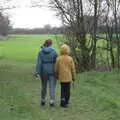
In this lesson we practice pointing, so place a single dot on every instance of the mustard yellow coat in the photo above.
(65, 67)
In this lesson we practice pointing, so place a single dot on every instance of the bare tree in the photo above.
(111, 21)
(113, 28)
(94, 39)
(74, 15)
(4, 18)
(4, 24)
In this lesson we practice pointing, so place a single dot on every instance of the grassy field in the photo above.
(95, 96)
(23, 47)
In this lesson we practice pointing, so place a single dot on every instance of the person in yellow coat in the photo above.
(65, 71)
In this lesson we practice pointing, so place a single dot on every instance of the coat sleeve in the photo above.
(73, 70)
(55, 56)
(38, 64)
(57, 66)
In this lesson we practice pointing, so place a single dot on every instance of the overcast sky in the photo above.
(26, 17)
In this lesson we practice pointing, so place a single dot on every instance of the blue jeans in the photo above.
(52, 85)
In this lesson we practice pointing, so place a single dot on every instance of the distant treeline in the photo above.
(45, 30)
(51, 30)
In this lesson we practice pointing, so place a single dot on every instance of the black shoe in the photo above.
(52, 104)
(62, 103)
(64, 106)
(67, 102)
(42, 103)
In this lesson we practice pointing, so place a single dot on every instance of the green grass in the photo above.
(24, 47)
(95, 96)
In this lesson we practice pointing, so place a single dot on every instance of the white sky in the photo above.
(26, 17)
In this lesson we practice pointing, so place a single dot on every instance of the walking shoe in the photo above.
(62, 103)
(52, 104)
(64, 106)
(42, 103)
(67, 102)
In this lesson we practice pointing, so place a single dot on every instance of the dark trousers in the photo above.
(65, 93)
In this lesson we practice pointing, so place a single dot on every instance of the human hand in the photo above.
(73, 77)
(56, 76)
(35, 74)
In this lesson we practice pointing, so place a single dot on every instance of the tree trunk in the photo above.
(93, 55)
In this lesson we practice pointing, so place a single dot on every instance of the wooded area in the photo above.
(86, 18)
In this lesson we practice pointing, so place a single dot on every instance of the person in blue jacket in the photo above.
(45, 67)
